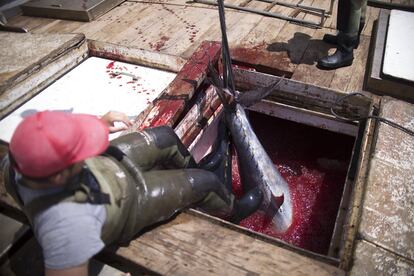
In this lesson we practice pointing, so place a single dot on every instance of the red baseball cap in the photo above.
(49, 141)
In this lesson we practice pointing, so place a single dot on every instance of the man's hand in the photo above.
(112, 117)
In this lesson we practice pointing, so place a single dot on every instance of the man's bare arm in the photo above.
(81, 270)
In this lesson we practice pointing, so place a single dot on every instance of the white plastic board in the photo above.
(93, 87)
(399, 46)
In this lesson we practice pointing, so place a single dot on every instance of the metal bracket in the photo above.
(80, 10)
(298, 7)
(8, 28)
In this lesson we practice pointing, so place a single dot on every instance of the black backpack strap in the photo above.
(80, 191)
(9, 177)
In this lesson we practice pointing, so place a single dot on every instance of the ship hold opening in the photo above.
(314, 162)
(322, 158)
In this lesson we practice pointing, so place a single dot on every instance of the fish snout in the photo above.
(278, 200)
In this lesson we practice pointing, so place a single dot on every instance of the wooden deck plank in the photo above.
(263, 34)
(292, 39)
(237, 32)
(358, 66)
(387, 218)
(30, 23)
(287, 11)
(170, 24)
(172, 240)
(64, 26)
(212, 33)
(314, 49)
(206, 27)
(306, 70)
(190, 245)
(331, 20)
(131, 24)
(45, 27)
(138, 26)
(23, 54)
(116, 14)
(373, 260)
(351, 78)
(370, 16)
(175, 36)
(347, 79)
(112, 31)
(186, 3)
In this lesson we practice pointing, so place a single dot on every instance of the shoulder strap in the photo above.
(78, 192)
(9, 177)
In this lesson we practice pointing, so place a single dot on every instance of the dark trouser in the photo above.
(350, 22)
(170, 179)
(351, 13)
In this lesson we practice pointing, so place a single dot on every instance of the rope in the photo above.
(359, 119)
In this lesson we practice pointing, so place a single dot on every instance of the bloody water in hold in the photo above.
(314, 162)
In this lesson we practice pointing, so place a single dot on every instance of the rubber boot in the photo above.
(344, 53)
(333, 39)
(246, 205)
(218, 200)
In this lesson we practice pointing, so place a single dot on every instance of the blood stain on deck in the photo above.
(190, 28)
(158, 45)
(135, 86)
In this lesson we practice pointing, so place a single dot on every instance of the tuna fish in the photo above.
(255, 166)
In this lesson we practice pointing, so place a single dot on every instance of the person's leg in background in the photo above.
(342, 18)
(350, 23)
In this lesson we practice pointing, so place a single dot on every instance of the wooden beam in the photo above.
(17, 86)
(190, 245)
(135, 55)
(170, 105)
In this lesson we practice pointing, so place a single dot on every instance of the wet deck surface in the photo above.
(386, 231)
(177, 28)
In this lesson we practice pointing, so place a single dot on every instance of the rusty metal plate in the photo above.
(79, 10)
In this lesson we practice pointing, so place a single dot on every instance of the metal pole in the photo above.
(227, 70)
(265, 13)
(302, 7)
(390, 6)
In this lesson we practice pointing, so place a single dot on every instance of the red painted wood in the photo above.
(195, 70)
(275, 63)
(164, 112)
(173, 99)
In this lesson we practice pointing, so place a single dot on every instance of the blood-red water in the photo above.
(314, 162)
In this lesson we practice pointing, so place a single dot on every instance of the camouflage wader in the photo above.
(144, 178)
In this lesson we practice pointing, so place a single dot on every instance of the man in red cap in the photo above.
(81, 193)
